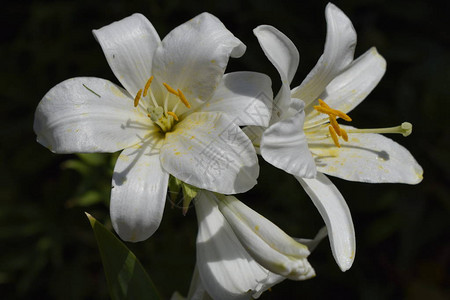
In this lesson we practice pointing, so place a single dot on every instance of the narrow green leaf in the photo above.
(125, 275)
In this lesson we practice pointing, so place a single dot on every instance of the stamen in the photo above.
(334, 112)
(344, 134)
(405, 129)
(170, 89)
(147, 85)
(335, 125)
(173, 115)
(137, 98)
(323, 104)
(183, 99)
(334, 136)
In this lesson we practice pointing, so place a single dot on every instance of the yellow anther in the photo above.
(137, 98)
(334, 112)
(173, 115)
(147, 85)
(170, 89)
(183, 99)
(342, 115)
(325, 109)
(344, 134)
(323, 104)
(334, 136)
(335, 125)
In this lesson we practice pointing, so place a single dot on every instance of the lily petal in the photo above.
(196, 288)
(246, 98)
(334, 211)
(209, 151)
(265, 242)
(226, 270)
(283, 54)
(139, 193)
(254, 133)
(193, 57)
(367, 157)
(284, 145)
(88, 114)
(351, 87)
(313, 243)
(129, 45)
(338, 54)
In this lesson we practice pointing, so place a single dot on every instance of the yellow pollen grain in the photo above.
(170, 89)
(173, 115)
(183, 99)
(334, 136)
(335, 125)
(344, 135)
(137, 98)
(147, 85)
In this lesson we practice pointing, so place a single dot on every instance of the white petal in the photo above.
(246, 98)
(283, 54)
(313, 243)
(129, 45)
(88, 114)
(265, 242)
(139, 193)
(334, 211)
(284, 145)
(193, 57)
(367, 157)
(338, 54)
(254, 133)
(351, 87)
(209, 151)
(226, 270)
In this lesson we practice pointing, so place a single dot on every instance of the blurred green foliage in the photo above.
(47, 248)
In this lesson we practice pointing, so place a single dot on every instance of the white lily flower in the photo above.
(304, 136)
(178, 114)
(242, 254)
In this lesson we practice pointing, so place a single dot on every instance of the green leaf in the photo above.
(93, 159)
(189, 193)
(125, 275)
(174, 188)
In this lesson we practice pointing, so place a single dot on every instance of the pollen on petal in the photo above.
(334, 136)
(137, 98)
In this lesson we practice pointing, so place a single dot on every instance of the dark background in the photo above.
(47, 249)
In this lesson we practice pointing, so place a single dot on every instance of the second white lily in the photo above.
(304, 138)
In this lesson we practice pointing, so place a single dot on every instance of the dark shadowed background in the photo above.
(47, 248)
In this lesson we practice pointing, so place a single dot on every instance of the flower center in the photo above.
(161, 116)
(335, 131)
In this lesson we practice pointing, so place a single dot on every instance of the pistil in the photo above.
(405, 129)
(161, 116)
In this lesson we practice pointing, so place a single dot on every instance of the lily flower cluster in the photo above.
(183, 124)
